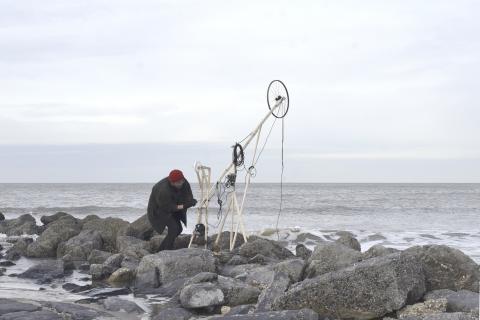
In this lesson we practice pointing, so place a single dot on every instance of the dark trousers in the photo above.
(174, 229)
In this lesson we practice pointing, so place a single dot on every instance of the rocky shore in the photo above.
(260, 279)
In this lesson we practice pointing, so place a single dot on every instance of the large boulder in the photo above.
(141, 229)
(236, 292)
(461, 301)
(170, 265)
(367, 290)
(109, 228)
(19, 249)
(24, 224)
(348, 240)
(131, 246)
(56, 232)
(80, 246)
(330, 256)
(378, 251)
(224, 241)
(98, 256)
(268, 248)
(49, 219)
(201, 295)
(447, 268)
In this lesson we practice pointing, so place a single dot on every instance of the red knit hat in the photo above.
(175, 175)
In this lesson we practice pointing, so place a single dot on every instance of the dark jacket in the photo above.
(164, 200)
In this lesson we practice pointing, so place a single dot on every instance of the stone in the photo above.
(447, 268)
(423, 308)
(330, 256)
(252, 274)
(141, 229)
(169, 265)
(155, 242)
(201, 295)
(266, 247)
(109, 228)
(202, 277)
(378, 251)
(444, 316)
(35, 315)
(292, 268)
(241, 309)
(370, 289)
(302, 314)
(132, 246)
(121, 275)
(224, 241)
(117, 304)
(236, 292)
(51, 218)
(130, 263)
(10, 305)
(45, 271)
(173, 314)
(98, 256)
(106, 292)
(2, 217)
(75, 311)
(75, 288)
(56, 232)
(349, 241)
(81, 245)
(302, 252)
(6, 263)
(276, 288)
(24, 224)
(461, 301)
(113, 262)
(236, 260)
(68, 262)
(19, 248)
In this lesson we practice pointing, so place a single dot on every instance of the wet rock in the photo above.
(173, 314)
(302, 314)
(378, 251)
(266, 247)
(75, 311)
(19, 248)
(51, 218)
(35, 315)
(236, 292)
(60, 230)
(302, 252)
(98, 271)
(368, 290)
(155, 242)
(117, 304)
(2, 217)
(81, 245)
(132, 246)
(2, 271)
(443, 316)
(11, 305)
(75, 288)
(98, 256)
(113, 262)
(122, 275)
(6, 263)
(130, 263)
(201, 295)
(68, 262)
(169, 265)
(181, 242)
(330, 256)
(349, 240)
(106, 292)
(447, 268)
(45, 271)
(24, 224)
(109, 228)
(461, 301)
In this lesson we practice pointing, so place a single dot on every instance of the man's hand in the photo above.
(180, 207)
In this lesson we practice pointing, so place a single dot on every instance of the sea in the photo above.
(394, 215)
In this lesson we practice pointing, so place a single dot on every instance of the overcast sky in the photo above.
(381, 91)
